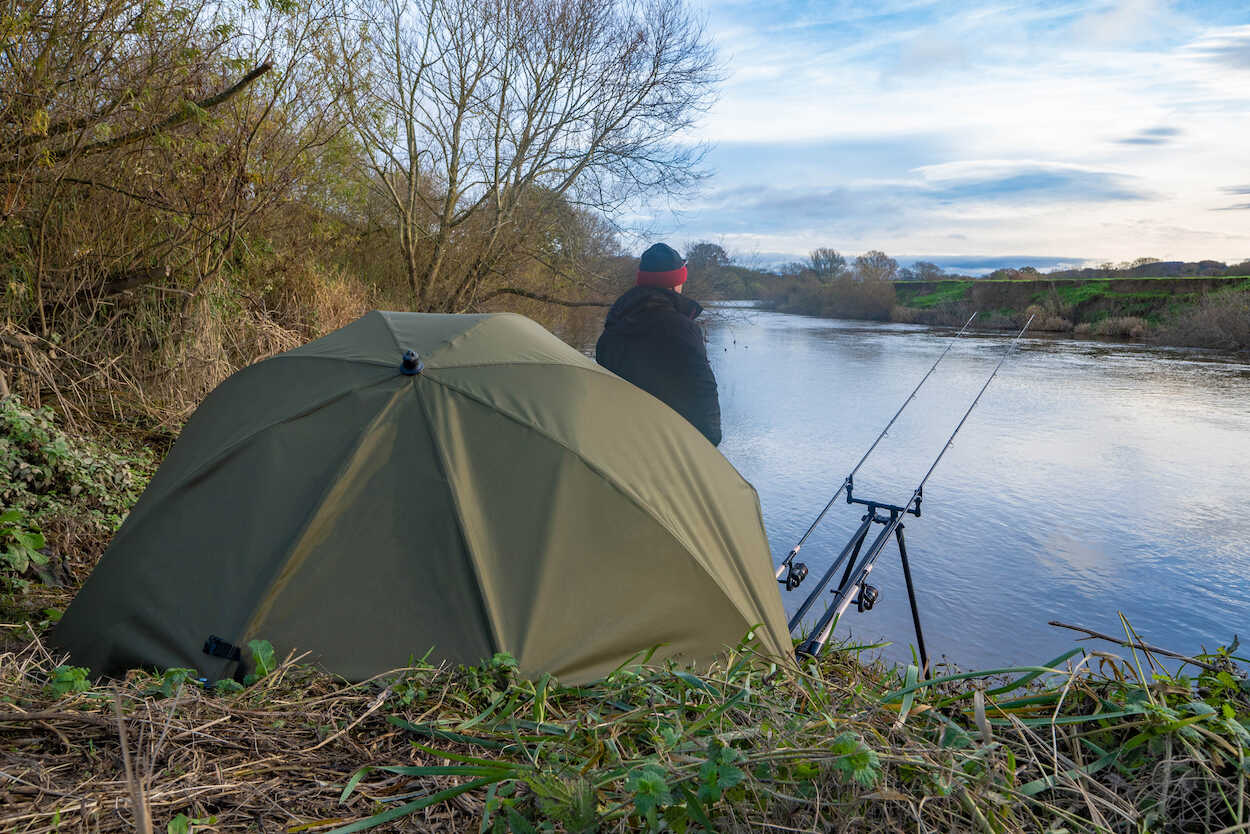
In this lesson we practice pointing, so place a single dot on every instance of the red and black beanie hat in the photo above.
(661, 266)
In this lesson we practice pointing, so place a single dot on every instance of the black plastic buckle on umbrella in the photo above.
(214, 646)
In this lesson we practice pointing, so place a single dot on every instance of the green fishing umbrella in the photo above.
(458, 485)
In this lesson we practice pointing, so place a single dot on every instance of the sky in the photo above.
(976, 134)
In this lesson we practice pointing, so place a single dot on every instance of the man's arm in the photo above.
(704, 398)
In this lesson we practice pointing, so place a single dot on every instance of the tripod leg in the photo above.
(911, 597)
(850, 564)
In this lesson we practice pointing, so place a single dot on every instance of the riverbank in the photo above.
(1188, 312)
(1095, 739)
(1076, 744)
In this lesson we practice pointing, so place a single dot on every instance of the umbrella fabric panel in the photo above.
(256, 399)
(577, 576)
(382, 337)
(647, 452)
(380, 574)
(499, 340)
(198, 562)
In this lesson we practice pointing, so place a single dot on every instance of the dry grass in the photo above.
(1076, 745)
(1046, 320)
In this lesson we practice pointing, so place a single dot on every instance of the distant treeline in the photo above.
(1174, 302)
(721, 275)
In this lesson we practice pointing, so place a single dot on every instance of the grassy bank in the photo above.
(1091, 741)
(1198, 312)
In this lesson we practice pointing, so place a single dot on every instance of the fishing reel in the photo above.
(867, 598)
(795, 574)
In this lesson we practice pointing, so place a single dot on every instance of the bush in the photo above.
(1125, 327)
(1218, 320)
(1046, 320)
(838, 298)
(74, 491)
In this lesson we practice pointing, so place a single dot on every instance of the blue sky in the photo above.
(977, 132)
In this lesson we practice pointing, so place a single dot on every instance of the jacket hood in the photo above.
(638, 302)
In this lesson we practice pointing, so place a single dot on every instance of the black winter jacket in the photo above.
(650, 339)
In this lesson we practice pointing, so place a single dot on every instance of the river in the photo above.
(1094, 478)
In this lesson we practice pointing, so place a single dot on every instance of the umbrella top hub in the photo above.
(411, 365)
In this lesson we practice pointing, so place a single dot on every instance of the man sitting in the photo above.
(650, 338)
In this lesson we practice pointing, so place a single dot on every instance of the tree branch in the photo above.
(546, 299)
(173, 120)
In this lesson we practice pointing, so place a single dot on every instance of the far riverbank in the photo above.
(1184, 312)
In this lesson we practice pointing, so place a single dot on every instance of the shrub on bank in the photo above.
(1047, 320)
(844, 297)
(1217, 320)
(1125, 327)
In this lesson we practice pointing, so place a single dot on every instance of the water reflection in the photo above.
(1093, 478)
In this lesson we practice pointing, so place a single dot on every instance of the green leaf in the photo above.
(67, 679)
(32, 539)
(648, 785)
(262, 657)
(410, 807)
(180, 824)
(695, 683)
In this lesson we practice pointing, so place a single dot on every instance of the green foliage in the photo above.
(50, 475)
(19, 545)
(172, 681)
(647, 786)
(947, 292)
(720, 772)
(228, 686)
(182, 824)
(66, 680)
(856, 760)
(263, 661)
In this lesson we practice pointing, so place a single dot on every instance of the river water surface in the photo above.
(1093, 478)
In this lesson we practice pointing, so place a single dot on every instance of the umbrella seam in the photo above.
(443, 346)
(487, 609)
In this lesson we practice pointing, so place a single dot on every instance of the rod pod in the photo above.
(854, 580)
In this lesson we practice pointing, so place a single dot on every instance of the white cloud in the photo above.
(1129, 99)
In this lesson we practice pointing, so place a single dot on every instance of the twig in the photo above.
(143, 825)
(53, 715)
(377, 702)
(546, 299)
(1145, 647)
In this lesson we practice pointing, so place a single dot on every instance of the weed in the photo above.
(65, 680)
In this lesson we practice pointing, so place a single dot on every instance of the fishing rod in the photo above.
(796, 572)
(854, 588)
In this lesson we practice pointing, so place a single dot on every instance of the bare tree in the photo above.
(475, 114)
(826, 263)
(706, 255)
(875, 265)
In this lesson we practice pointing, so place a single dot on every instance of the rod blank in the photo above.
(794, 551)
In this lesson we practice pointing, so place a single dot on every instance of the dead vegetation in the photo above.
(1092, 741)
